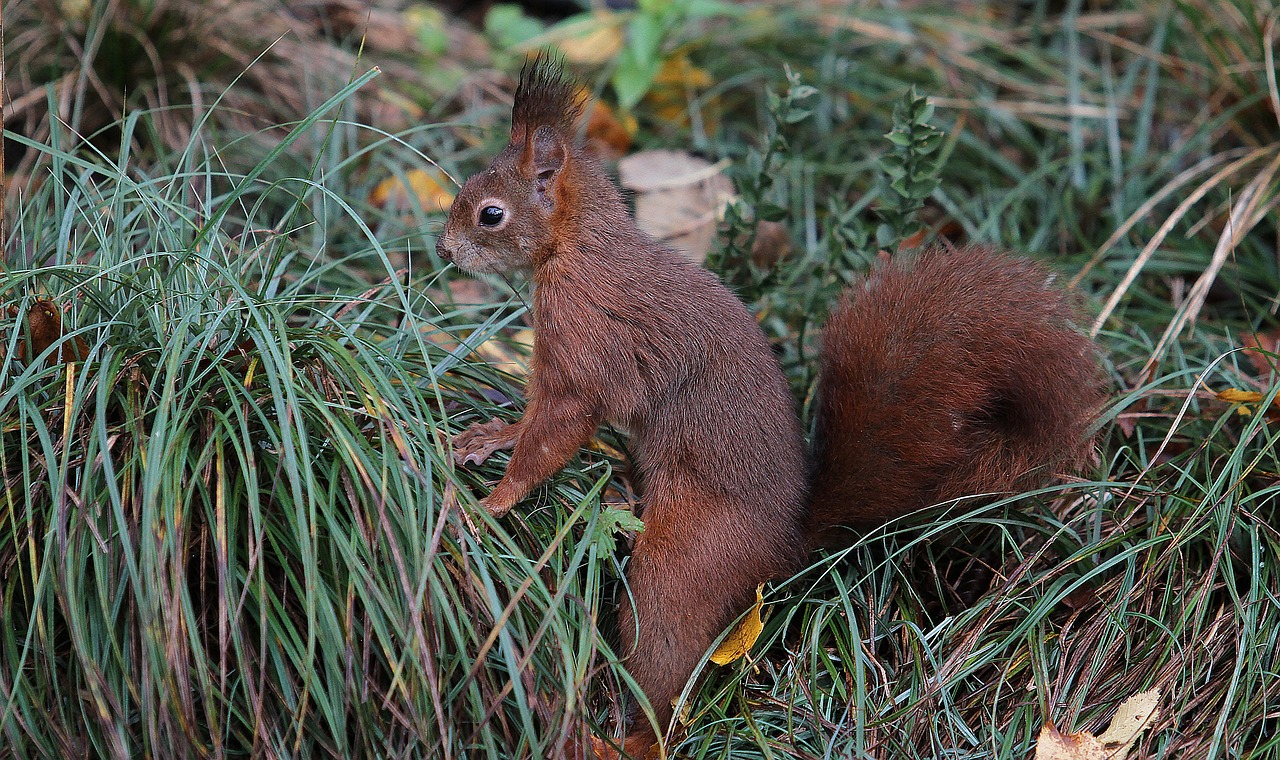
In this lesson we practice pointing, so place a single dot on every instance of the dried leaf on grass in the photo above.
(679, 197)
(1133, 717)
(1237, 396)
(592, 40)
(609, 134)
(401, 192)
(668, 97)
(1256, 344)
(1055, 745)
(740, 640)
(1244, 398)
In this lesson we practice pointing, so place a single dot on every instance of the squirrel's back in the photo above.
(957, 373)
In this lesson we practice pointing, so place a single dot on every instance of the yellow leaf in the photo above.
(1134, 716)
(679, 71)
(1237, 396)
(591, 41)
(741, 639)
(1052, 744)
(669, 95)
(427, 187)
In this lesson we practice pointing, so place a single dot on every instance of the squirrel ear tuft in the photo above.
(545, 97)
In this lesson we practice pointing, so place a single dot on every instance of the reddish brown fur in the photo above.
(544, 98)
(633, 333)
(959, 373)
(44, 327)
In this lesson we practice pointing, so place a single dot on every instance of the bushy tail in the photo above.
(958, 373)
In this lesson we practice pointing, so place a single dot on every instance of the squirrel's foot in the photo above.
(499, 501)
(637, 746)
(475, 444)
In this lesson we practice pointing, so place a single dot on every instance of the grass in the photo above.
(233, 530)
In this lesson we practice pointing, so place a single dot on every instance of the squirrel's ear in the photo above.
(544, 157)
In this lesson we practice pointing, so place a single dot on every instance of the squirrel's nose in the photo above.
(443, 250)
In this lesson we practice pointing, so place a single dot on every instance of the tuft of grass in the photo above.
(233, 529)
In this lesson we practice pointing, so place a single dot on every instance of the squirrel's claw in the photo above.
(496, 505)
(478, 442)
(638, 746)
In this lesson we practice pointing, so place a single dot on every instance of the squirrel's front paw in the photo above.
(478, 442)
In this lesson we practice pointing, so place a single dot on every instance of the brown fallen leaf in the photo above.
(1128, 423)
(740, 640)
(609, 135)
(1134, 716)
(679, 197)
(1255, 344)
(1052, 744)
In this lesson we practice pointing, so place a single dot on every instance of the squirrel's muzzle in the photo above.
(443, 249)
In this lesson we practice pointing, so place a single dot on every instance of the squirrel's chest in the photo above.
(608, 361)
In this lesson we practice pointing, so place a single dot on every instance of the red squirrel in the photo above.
(960, 374)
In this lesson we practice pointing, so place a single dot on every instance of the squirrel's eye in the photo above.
(491, 216)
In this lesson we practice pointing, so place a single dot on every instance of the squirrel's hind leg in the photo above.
(695, 567)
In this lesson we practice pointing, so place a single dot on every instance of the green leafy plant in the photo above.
(756, 198)
(798, 291)
(909, 171)
(648, 29)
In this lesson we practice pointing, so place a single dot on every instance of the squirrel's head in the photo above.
(505, 217)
